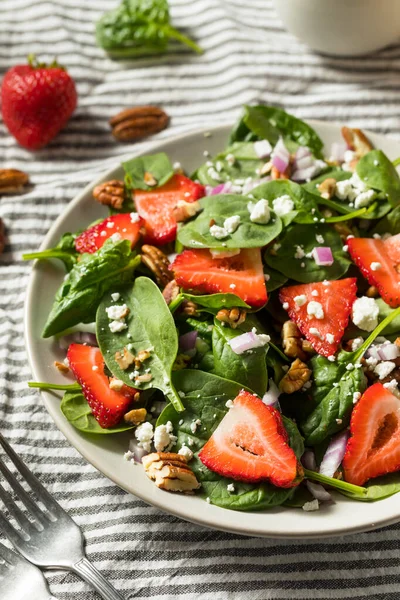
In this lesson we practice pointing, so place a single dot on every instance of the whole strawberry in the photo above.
(36, 102)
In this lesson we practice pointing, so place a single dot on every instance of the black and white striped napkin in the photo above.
(248, 58)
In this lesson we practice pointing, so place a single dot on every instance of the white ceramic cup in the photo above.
(342, 27)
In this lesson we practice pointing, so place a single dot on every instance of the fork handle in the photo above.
(89, 573)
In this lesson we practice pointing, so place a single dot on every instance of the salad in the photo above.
(243, 321)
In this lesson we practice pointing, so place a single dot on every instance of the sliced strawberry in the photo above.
(250, 444)
(93, 238)
(157, 206)
(241, 274)
(385, 273)
(374, 446)
(108, 406)
(336, 300)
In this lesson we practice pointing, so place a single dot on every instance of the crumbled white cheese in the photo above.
(364, 199)
(224, 253)
(314, 309)
(330, 338)
(356, 343)
(186, 452)
(194, 425)
(230, 488)
(110, 224)
(358, 183)
(300, 300)
(230, 159)
(283, 205)
(116, 296)
(232, 286)
(117, 326)
(117, 311)
(375, 266)
(164, 438)
(218, 232)
(103, 233)
(315, 293)
(343, 189)
(267, 277)
(95, 368)
(262, 148)
(285, 305)
(134, 217)
(144, 435)
(319, 238)
(116, 237)
(371, 361)
(299, 254)
(310, 506)
(384, 368)
(331, 358)
(356, 397)
(316, 332)
(229, 403)
(232, 223)
(259, 212)
(350, 367)
(392, 386)
(365, 313)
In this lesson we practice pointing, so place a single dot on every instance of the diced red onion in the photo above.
(319, 492)
(304, 163)
(280, 156)
(337, 151)
(301, 152)
(308, 460)
(388, 351)
(303, 174)
(262, 148)
(334, 454)
(270, 397)
(323, 256)
(79, 337)
(244, 342)
(373, 352)
(187, 341)
(137, 451)
(221, 188)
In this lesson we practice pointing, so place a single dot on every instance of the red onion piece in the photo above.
(280, 156)
(308, 460)
(247, 341)
(304, 163)
(323, 256)
(137, 451)
(319, 492)
(373, 352)
(334, 454)
(270, 397)
(301, 152)
(388, 351)
(221, 188)
(79, 337)
(262, 148)
(337, 151)
(303, 174)
(187, 341)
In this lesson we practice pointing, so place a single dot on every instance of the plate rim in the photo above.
(62, 424)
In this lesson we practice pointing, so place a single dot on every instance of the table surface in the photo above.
(248, 58)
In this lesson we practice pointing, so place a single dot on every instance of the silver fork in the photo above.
(17, 575)
(52, 540)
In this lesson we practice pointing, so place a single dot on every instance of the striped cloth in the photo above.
(248, 58)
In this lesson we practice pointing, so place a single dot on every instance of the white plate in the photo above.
(106, 452)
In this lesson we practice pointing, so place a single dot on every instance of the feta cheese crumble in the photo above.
(186, 452)
(134, 217)
(117, 326)
(117, 311)
(229, 403)
(365, 313)
(314, 309)
(163, 437)
(259, 212)
(384, 368)
(116, 296)
(218, 232)
(230, 488)
(375, 266)
(300, 300)
(232, 223)
(144, 435)
(310, 506)
(299, 254)
(282, 205)
(194, 425)
(316, 332)
(116, 237)
(330, 338)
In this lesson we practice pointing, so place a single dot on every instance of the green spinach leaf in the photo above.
(150, 326)
(283, 259)
(77, 411)
(196, 233)
(273, 279)
(390, 223)
(64, 251)
(377, 171)
(138, 28)
(377, 489)
(237, 164)
(158, 165)
(78, 297)
(214, 302)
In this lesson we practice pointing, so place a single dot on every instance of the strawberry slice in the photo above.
(379, 262)
(108, 406)
(123, 224)
(157, 207)
(251, 444)
(374, 446)
(241, 274)
(321, 311)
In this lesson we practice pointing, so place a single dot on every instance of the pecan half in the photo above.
(12, 181)
(170, 472)
(134, 123)
(171, 291)
(111, 193)
(233, 316)
(189, 308)
(158, 263)
(327, 188)
(357, 141)
(295, 378)
(292, 341)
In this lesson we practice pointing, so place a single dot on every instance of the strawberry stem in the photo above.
(72, 387)
(362, 349)
(176, 303)
(336, 483)
(35, 64)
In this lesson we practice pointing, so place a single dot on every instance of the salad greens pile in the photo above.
(194, 367)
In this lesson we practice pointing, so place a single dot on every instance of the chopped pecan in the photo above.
(266, 168)
(189, 308)
(357, 141)
(170, 472)
(181, 362)
(124, 359)
(158, 263)
(116, 384)
(111, 193)
(275, 174)
(134, 123)
(292, 341)
(135, 416)
(343, 230)
(12, 181)
(372, 292)
(145, 378)
(327, 188)
(185, 210)
(62, 367)
(306, 346)
(295, 378)
(149, 179)
(232, 316)
(171, 291)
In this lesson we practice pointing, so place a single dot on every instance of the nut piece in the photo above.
(233, 316)
(357, 141)
(149, 179)
(372, 292)
(171, 291)
(170, 472)
(111, 193)
(292, 341)
(124, 359)
(158, 263)
(181, 362)
(189, 308)
(135, 416)
(134, 123)
(295, 378)
(327, 188)
(61, 367)
(343, 230)
(275, 174)
(185, 210)
(116, 384)
(12, 181)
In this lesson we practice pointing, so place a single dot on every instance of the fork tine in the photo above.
(9, 531)
(26, 526)
(6, 554)
(50, 503)
(22, 494)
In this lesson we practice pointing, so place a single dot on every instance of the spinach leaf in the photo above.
(269, 122)
(203, 327)
(249, 368)
(150, 327)
(214, 302)
(77, 411)
(305, 204)
(273, 279)
(377, 489)
(304, 236)
(138, 28)
(377, 171)
(245, 164)
(390, 223)
(205, 398)
(196, 233)
(64, 251)
(78, 297)
(158, 165)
